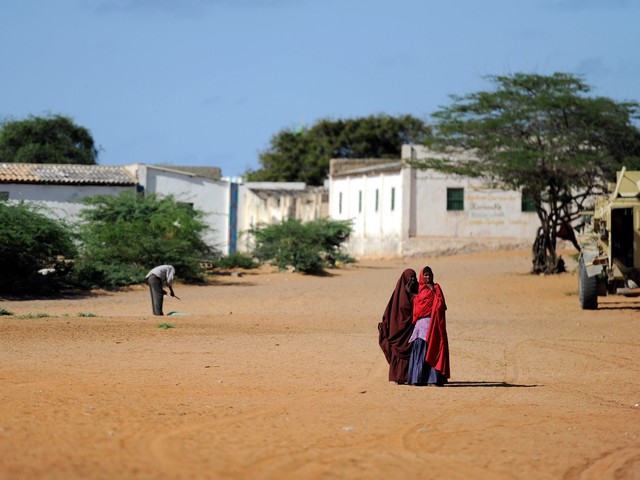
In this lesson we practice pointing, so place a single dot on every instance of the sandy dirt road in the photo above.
(279, 375)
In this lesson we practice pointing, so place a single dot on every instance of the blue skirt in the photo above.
(420, 372)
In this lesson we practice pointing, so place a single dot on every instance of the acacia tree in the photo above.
(541, 134)
(53, 139)
(303, 154)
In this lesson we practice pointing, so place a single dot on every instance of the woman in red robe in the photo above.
(396, 326)
(429, 361)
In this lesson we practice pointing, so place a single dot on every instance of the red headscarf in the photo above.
(430, 303)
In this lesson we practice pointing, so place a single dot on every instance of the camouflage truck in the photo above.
(609, 261)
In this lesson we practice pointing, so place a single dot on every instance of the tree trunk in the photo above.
(545, 260)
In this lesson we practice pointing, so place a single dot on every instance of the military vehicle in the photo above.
(609, 261)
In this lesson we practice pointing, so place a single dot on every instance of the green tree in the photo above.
(541, 134)
(125, 236)
(303, 155)
(307, 247)
(30, 242)
(53, 139)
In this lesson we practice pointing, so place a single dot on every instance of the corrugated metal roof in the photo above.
(59, 174)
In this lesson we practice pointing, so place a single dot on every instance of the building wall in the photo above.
(488, 212)
(373, 204)
(62, 201)
(313, 204)
(420, 221)
(268, 203)
(210, 196)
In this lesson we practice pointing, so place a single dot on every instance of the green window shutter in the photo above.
(455, 199)
(527, 201)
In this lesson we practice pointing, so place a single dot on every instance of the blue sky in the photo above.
(209, 82)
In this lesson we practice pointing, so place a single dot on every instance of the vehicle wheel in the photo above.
(587, 288)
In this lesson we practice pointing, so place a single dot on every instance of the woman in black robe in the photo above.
(396, 326)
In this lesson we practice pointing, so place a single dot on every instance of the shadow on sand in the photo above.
(619, 306)
(488, 384)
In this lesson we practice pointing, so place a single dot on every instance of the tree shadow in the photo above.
(323, 273)
(489, 384)
(66, 295)
(227, 283)
(360, 266)
(320, 273)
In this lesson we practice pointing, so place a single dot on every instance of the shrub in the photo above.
(31, 242)
(125, 236)
(331, 234)
(308, 248)
(236, 260)
(88, 274)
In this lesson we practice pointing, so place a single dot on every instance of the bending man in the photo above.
(156, 278)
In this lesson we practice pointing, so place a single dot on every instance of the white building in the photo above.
(59, 188)
(397, 210)
(201, 188)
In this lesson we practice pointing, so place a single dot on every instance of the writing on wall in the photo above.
(488, 206)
